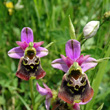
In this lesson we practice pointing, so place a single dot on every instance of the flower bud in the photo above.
(71, 29)
(106, 16)
(90, 29)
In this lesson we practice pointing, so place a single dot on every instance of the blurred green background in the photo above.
(49, 21)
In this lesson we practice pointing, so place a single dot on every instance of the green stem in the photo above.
(103, 23)
(31, 90)
(100, 60)
(49, 45)
(83, 41)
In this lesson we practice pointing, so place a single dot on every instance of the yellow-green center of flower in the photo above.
(75, 71)
(30, 51)
(77, 101)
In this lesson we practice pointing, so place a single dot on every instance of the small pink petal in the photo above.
(37, 44)
(73, 49)
(41, 90)
(49, 95)
(27, 35)
(23, 45)
(16, 53)
(88, 64)
(67, 60)
(45, 91)
(82, 58)
(76, 106)
(47, 87)
(41, 51)
(47, 103)
(60, 64)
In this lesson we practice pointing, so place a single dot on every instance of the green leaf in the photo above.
(71, 29)
(23, 101)
(98, 79)
(60, 36)
(47, 46)
(100, 108)
(2, 100)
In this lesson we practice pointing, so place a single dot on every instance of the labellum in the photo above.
(29, 65)
(75, 87)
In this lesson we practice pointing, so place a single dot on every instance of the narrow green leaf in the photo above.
(98, 79)
(22, 100)
(103, 95)
(49, 45)
(2, 100)
(71, 29)
(40, 100)
(100, 108)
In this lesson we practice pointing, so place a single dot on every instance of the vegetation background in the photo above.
(49, 22)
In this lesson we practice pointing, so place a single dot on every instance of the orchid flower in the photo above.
(29, 53)
(75, 87)
(30, 65)
(73, 55)
(26, 38)
(47, 92)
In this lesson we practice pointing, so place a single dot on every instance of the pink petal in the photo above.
(41, 90)
(49, 95)
(37, 44)
(46, 87)
(82, 58)
(76, 106)
(23, 45)
(47, 104)
(16, 53)
(67, 60)
(83, 103)
(47, 91)
(60, 64)
(27, 35)
(41, 51)
(88, 64)
(73, 49)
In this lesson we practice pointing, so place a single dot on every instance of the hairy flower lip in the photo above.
(30, 68)
(70, 93)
